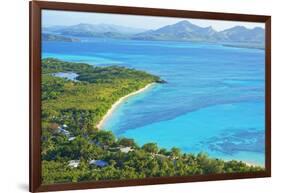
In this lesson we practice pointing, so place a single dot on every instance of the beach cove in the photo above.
(120, 101)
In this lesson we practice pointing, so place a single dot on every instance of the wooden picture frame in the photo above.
(35, 93)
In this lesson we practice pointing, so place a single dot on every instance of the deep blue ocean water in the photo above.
(213, 101)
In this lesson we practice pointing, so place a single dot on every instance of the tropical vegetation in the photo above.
(73, 149)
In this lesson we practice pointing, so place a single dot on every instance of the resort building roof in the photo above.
(126, 149)
(99, 163)
(73, 163)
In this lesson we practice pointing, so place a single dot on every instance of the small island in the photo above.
(75, 148)
(60, 38)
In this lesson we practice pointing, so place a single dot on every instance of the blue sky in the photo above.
(50, 18)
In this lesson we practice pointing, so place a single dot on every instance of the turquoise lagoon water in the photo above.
(68, 75)
(213, 101)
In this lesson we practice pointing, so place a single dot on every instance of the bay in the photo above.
(213, 101)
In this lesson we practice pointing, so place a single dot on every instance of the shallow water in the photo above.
(67, 75)
(213, 101)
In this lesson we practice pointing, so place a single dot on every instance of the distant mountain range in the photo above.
(180, 31)
(187, 31)
(242, 34)
(98, 30)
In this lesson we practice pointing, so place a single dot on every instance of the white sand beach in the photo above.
(253, 164)
(115, 105)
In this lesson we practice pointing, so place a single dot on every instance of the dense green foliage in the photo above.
(81, 104)
(77, 106)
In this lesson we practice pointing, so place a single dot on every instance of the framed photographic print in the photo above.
(123, 96)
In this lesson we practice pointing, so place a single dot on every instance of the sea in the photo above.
(213, 101)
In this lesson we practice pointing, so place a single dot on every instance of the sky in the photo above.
(66, 18)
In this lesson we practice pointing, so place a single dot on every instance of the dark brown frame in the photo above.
(35, 93)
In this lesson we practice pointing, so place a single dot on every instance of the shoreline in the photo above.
(118, 102)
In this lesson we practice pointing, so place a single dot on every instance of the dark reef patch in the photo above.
(231, 141)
